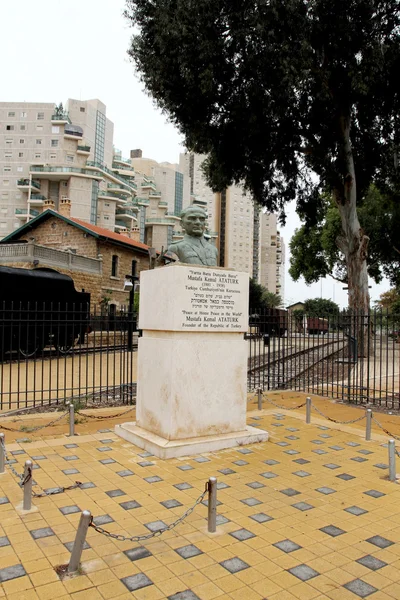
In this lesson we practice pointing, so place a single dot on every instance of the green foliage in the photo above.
(260, 297)
(298, 317)
(271, 300)
(320, 307)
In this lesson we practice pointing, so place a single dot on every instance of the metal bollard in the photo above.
(260, 393)
(2, 454)
(212, 505)
(79, 542)
(27, 502)
(392, 460)
(71, 419)
(368, 425)
(308, 410)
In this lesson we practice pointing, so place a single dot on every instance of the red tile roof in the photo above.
(111, 235)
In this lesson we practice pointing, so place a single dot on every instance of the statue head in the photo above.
(194, 220)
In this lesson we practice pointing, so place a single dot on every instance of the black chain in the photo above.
(39, 427)
(101, 418)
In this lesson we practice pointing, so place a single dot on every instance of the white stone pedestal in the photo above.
(192, 362)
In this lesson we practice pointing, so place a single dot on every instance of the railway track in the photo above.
(50, 353)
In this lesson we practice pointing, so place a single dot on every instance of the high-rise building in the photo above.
(271, 255)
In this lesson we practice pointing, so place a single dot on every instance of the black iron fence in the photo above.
(50, 353)
(351, 357)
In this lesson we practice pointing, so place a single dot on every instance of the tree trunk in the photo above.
(354, 244)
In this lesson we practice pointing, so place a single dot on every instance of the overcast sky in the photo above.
(53, 50)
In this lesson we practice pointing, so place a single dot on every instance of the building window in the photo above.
(82, 109)
(24, 115)
(22, 127)
(7, 169)
(70, 158)
(39, 127)
(55, 129)
(20, 169)
(52, 156)
(10, 127)
(22, 141)
(54, 143)
(40, 116)
(38, 156)
(106, 218)
(38, 142)
(11, 114)
(64, 183)
(114, 265)
(20, 155)
(106, 204)
(8, 155)
(9, 142)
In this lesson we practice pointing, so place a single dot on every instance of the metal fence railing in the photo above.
(58, 352)
(354, 358)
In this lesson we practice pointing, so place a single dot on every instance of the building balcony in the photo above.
(199, 202)
(148, 185)
(60, 119)
(158, 221)
(37, 199)
(27, 184)
(156, 194)
(73, 132)
(142, 201)
(162, 204)
(118, 189)
(84, 150)
(62, 173)
(120, 160)
(91, 164)
(24, 213)
(126, 214)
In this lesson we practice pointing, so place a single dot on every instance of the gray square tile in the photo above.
(72, 457)
(39, 457)
(276, 425)
(136, 582)
(283, 444)
(130, 505)
(303, 572)
(104, 430)
(171, 503)
(188, 551)
(205, 502)
(255, 485)
(17, 452)
(153, 479)
(103, 520)
(332, 530)
(234, 565)
(107, 461)
(292, 437)
(353, 444)
(125, 473)
(363, 451)
(325, 490)
(240, 463)
(332, 466)
(185, 468)
(292, 429)
(360, 588)
(381, 466)
(374, 493)
(183, 486)
(156, 525)
(345, 476)
(251, 501)
(303, 506)
(70, 510)
(271, 462)
(245, 451)
(356, 511)
(221, 485)
(186, 595)
(359, 459)
(69, 546)
(4, 541)
(337, 448)
(137, 553)
(70, 471)
(70, 446)
(287, 546)
(87, 485)
(107, 441)
(202, 459)
(289, 492)
(11, 573)
(381, 542)
(145, 454)
(319, 451)
(323, 428)
(292, 452)
(301, 473)
(227, 471)
(268, 475)
(242, 535)
(4, 500)
(42, 533)
(371, 562)
(115, 493)
(324, 435)
(317, 442)
(221, 520)
(261, 518)
(301, 461)
(104, 449)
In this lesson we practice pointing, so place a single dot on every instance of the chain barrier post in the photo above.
(308, 410)
(212, 505)
(368, 425)
(85, 520)
(2, 454)
(392, 460)
(71, 419)
(259, 400)
(27, 485)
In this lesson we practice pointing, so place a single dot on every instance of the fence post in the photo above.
(259, 392)
(71, 419)
(79, 542)
(392, 460)
(212, 505)
(27, 486)
(368, 426)
(2, 454)
(308, 410)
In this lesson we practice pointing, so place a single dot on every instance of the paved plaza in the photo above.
(308, 515)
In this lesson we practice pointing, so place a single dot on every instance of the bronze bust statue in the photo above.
(194, 249)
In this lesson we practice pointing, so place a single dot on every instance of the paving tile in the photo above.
(234, 565)
(39, 457)
(69, 510)
(242, 535)
(283, 444)
(41, 533)
(271, 462)
(186, 595)
(371, 562)
(325, 490)
(221, 520)
(374, 493)
(336, 448)
(103, 520)
(107, 441)
(240, 463)
(261, 518)
(382, 466)
(145, 454)
(359, 459)
(126, 473)
(303, 572)
(292, 437)
(245, 451)
(303, 506)
(202, 459)
(360, 588)
(183, 486)
(107, 461)
(156, 525)
(227, 471)
(70, 471)
(345, 476)
(255, 485)
(4, 500)
(319, 451)
(332, 530)
(70, 446)
(130, 504)
(185, 468)
(70, 545)
(188, 551)
(115, 493)
(87, 485)
(70, 458)
(136, 582)
(251, 501)
(269, 475)
(137, 553)
(332, 466)
(352, 444)
(221, 485)
(301, 473)
(317, 442)
(4, 541)
(301, 461)
(289, 492)
(17, 452)
(292, 429)
(292, 452)
(10, 573)
(104, 449)
(146, 463)
(381, 542)
(356, 510)
(287, 546)
(364, 451)
(171, 503)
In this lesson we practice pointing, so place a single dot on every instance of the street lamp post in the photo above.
(132, 279)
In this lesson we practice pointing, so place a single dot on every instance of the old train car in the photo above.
(269, 322)
(40, 308)
(317, 326)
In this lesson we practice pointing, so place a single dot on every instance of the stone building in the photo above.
(96, 258)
